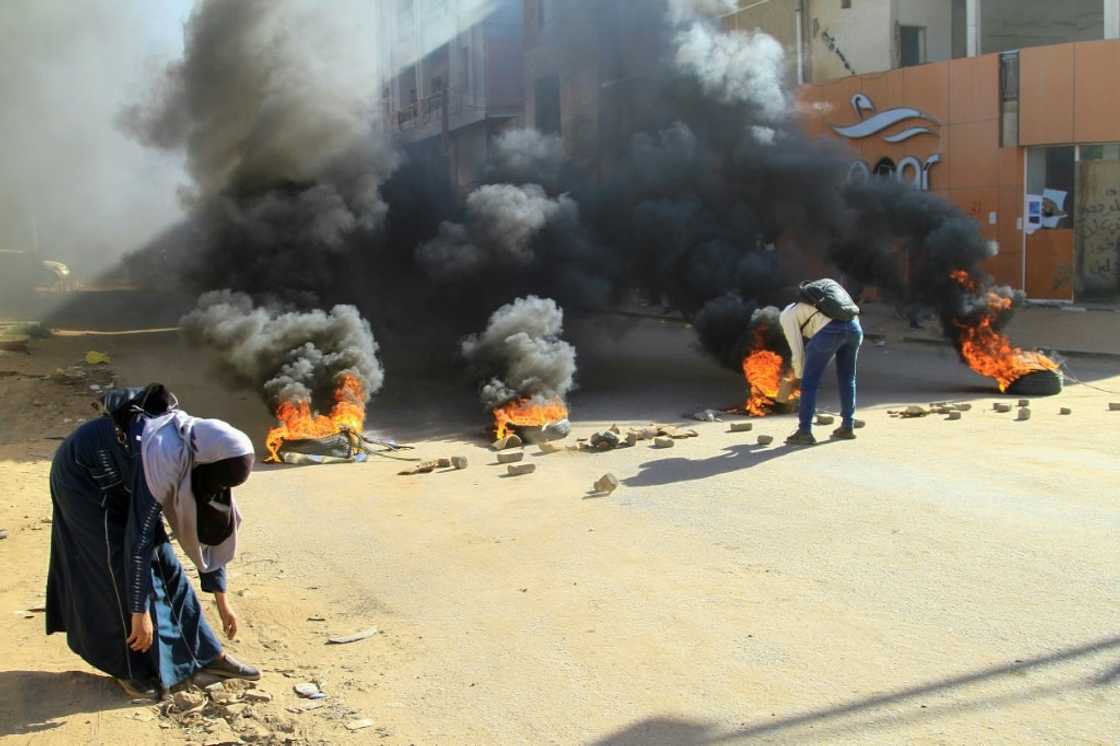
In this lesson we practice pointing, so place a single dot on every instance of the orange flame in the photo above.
(990, 353)
(298, 421)
(763, 371)
(527, 413)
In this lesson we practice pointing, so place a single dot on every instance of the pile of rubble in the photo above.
(228, 712)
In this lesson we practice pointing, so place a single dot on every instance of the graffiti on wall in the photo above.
(1098, 229)
(911, 169)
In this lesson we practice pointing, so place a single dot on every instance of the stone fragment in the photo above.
(1001, 407)
(517, 470)
(605, 440)
(954, 416)
(1065, 410)
(235, 710)
(1024, 403)
(257, 696)
(308, 690)
(547, 448)
(509, 441)
(765, 440)
(742, 427)
(606, 484)
(663, 442)
(459, 462)
(1114, 406)
(3, 533)
(825, 419)
(510, 457)
(355, 637)
(254, 732)
(706, 415)
(359, 724)
(187, 700)
(444, 463)
(1024, 414)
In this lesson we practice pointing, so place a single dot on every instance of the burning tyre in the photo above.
(1038, 383)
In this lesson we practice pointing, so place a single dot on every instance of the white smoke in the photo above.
(735, 67)
(521, 353)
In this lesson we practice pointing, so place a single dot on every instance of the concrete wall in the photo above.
(849, 41)
(1017, 24)
(936, 16)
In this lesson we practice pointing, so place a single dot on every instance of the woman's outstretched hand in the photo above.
(228, 615)
(140, 639)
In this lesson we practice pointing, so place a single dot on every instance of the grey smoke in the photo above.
(521, 355)
(273, 106)
(525, 155)
(502, 221)
(74, 186)
(288, 355)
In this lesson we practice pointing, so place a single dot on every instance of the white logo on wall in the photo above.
(911, 169)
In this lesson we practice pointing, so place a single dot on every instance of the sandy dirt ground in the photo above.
(931, 582)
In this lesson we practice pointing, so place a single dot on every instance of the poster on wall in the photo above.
(1033, 213)
(1053, 207)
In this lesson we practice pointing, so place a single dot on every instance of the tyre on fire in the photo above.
(1039, 383)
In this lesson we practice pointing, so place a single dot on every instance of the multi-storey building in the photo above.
(1008, 108)
(454, 79)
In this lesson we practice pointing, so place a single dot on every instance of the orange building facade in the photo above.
(1028, 144)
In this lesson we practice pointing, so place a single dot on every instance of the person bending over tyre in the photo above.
(828, 318)
(115, 586)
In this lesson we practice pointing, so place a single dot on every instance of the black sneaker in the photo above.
(228, 667)
(844, 433)
(801, 438)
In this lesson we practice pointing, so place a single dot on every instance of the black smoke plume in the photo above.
(693, 184)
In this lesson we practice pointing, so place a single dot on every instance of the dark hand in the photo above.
(228, 615)
(142, 632)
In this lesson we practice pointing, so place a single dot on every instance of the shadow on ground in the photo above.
(886, 710)
(34, 701)
(733, 458)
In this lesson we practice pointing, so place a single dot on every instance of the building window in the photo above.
(1009, 100)
(912, 45)
(546, 92)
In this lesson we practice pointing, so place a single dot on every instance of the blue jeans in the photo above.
(842, 340)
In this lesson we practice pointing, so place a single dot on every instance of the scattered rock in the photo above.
(1024, 414)
(741, 427)
(257, 696)
(1024, 403)
(663, 442)
(954, 416)
(706, 415)
(459, 462)
(3, 533)
(556, 430)
(316, 618)
(606, 484)
(510, 457)
(915, 411)
(672, 431)
(308, 690)
(547, 448)
(765, 440)
(188, 700)
(1001, 407)
(424, 467)
(517, 470)
(344, 639)
(359, 724)
(254, 732)
(509, 441)
(825, 419)
(1063, 410)
(235, 710)
(444, 463)
(964, 407)
(605, 440)
(1114, 406)
(644, 433)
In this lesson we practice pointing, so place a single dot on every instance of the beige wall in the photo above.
(861, 35)
(936, 16)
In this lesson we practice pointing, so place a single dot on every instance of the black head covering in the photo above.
(211, 485)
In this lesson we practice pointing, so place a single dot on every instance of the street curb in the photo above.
(1066, 353)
